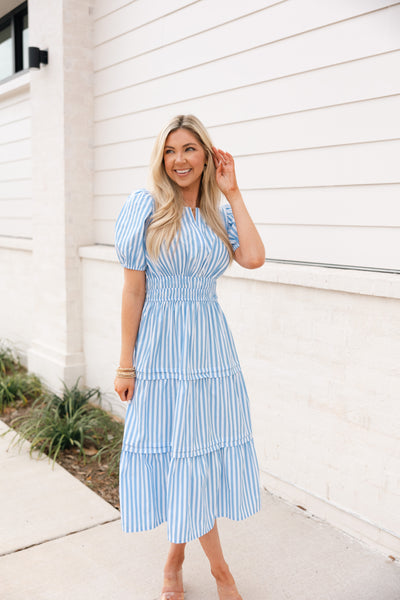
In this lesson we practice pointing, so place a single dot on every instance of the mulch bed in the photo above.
(88, 470)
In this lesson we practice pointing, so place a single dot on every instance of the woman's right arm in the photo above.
(133, 295)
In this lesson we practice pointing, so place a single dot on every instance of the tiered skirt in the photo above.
(188, 454)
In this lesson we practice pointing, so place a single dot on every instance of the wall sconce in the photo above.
(36, 57)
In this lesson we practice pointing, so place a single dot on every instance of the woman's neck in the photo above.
(191, 197)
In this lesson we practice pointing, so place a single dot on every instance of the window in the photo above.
(14, 41)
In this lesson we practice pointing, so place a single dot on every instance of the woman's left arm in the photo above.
(251, 252)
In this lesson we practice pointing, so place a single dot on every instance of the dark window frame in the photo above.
(15, 18)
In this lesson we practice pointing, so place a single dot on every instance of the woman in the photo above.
(188, 452)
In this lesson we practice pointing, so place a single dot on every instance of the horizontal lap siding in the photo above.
(15, 166)
(304, 94)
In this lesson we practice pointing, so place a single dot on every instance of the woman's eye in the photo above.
(190, 148)
(168, 151)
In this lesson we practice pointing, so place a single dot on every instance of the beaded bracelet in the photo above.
(126, 372)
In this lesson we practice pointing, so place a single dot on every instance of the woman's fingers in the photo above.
(124, 388)
(216, 161)
(225, 169)
(223, 158)
(216, 157)
(220, 154)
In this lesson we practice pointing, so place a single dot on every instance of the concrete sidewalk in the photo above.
(59, 540)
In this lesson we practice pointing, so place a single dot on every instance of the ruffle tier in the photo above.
(189, 493)
(187, 417)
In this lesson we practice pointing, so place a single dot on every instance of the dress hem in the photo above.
(222, 514)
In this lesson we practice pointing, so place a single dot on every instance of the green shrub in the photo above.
(19, 386)
(60, 422)
(9, 360)
(111, 445)
(73, 399)
(57, 422)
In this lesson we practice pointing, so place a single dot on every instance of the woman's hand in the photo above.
(251, 252)
(124, 388)
(225, 171)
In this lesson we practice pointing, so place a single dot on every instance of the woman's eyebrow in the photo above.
(189, 144)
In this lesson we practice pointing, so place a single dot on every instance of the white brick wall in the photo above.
(323, 373)
(62, 113)
(16, 299)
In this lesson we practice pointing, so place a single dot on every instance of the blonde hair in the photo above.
(169, 206)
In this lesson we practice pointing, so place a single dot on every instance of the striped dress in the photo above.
(188, 454)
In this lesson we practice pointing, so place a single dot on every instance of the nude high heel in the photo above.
(171, 595)
(228, 592)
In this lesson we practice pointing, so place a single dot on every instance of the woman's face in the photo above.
(184, 159)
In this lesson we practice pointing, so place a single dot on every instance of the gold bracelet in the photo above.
(126, 372)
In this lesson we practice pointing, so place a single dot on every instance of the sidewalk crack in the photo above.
(59, 537)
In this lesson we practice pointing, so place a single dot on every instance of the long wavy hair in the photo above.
(166, 219)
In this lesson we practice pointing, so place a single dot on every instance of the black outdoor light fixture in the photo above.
(37, 57)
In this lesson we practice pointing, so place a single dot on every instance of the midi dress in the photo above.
(188, 452)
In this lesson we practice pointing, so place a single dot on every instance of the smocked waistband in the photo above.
(181, 288)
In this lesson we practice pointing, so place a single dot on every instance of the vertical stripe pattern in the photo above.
(188, 454)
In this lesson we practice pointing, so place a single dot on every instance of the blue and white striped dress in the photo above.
(188, 454)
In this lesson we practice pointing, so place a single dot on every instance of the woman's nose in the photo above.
(179, 158)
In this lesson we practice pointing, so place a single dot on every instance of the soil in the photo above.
(86, 469)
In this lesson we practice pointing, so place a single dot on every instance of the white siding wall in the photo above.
(304, 93)
(15, 162)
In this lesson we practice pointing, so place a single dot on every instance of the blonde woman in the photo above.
(188, 454)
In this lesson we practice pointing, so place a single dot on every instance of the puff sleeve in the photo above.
(130, 230)
(230, 225)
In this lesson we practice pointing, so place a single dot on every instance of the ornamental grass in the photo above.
(19, 387)
(54, 422)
